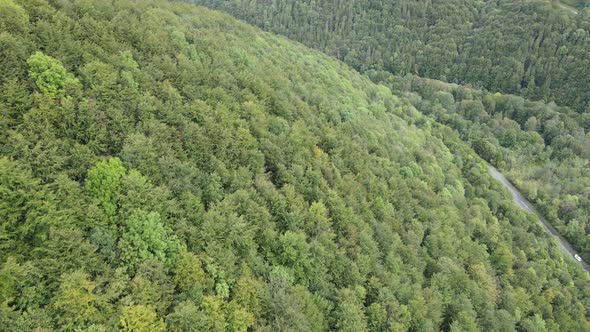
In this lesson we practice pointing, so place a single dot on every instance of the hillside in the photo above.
(543, 148)
(167, 167)
(535, 48)
(503, 46)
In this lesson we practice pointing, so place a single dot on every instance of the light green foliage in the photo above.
(464, 323)
(13, 18)
(535, 323)
(239, 319)
(349, 314)
(12, 276)
(319, 221)
(250, 293)
(140, 318)
(103, 183)
(214, 317)
(294, 254)
(75, 301)
(144, 237)
(376, 317)
(190, 277)
(137, 192)
(538, 49)
(49, 75)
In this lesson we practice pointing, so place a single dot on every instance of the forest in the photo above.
(507, 54)
(544, 149)
(538, 49)
(165, 167)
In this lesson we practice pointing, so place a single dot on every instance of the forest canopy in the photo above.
(498, 50)
(167, 167)
(538, 49)
(543, 148)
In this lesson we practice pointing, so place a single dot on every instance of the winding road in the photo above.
(527, 206)
(568, 8)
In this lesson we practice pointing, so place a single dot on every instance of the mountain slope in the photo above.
(166, 167)
(544, 148)
(533, 48)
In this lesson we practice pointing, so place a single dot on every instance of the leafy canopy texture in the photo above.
(543, 148)
(167, 167)
(49, 74)
(103, 182)
(538, 49)
(139, 318)
(145, 238)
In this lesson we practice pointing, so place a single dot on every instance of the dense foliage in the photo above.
(165, 167)
(545, 149)
(536, 48)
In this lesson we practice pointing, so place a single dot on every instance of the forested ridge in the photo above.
(533, 48)
(502, 46)
(167, 167)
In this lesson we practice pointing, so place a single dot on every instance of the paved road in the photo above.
(527, 206)
(568, 7)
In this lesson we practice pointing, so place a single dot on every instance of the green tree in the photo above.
(376, 318)
(50, 75)
(502, 258)
(349, 315)
(215, 319)
(277, 183)
(25, 219)
(75, 302)
(239, 319)
(13, 18)
(535, 323)
(152, 286)
(12, 276)
(189, 276)
(252, 294)
(186, 317)
(464, 323)
(103, 183)
(140, 318)
(144, 237)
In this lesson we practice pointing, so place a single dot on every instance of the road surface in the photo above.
(568, 7)
(527, 206)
